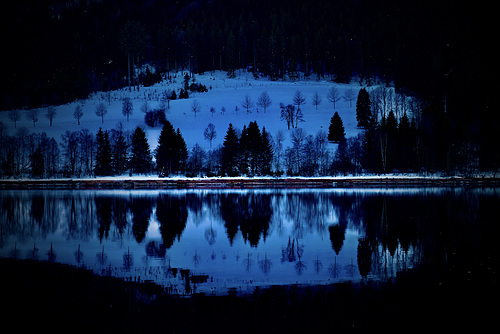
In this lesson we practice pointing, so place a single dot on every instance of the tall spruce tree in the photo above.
(230, 153)
(37, 163)
(140, 162)
(171, 153)
(244, 151)
(120, 147)
(336, 131)
(363, 108)
(103, 158)
(253, 147)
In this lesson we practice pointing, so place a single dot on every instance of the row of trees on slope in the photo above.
(390, 141)
(66, 51)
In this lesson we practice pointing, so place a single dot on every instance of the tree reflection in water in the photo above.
(355, 234)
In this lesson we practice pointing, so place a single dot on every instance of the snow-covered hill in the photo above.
(223, 92)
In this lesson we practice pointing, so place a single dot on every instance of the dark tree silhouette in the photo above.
(104, 216)
(103, 161)
(337, 237)
(141, 209)
(171, 153)
(363, 108)
(230, 153)
(140, 161)
(364, 257)
(336, 131)
(171, 212)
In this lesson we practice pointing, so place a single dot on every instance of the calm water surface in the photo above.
(214, 241)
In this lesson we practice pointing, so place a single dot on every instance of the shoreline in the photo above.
(391, 181)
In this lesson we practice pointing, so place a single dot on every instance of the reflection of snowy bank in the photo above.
(151, 182)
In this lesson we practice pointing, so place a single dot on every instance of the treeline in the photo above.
(62, 50)
(405, 134)
(400, 134)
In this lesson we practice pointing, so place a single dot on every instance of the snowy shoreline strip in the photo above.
(245, 182)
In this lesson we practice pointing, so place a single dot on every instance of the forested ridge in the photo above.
(71, 48)
(441, 51)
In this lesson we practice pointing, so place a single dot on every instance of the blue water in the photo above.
(214, 241)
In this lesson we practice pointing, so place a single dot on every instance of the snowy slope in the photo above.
(225, 92)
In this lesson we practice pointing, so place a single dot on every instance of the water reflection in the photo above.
(211, 241)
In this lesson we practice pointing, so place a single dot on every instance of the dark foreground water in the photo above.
(241, 243)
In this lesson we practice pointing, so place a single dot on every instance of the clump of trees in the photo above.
(171, 153)
(251, 153)
(291, 115)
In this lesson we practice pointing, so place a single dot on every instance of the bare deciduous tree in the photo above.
(195, 107)
(279, 139)
(210, 134)
(333, 96)
(298, 137)
(350, 96)
(247, 103)
(316, 100)
(145, 107)
(32, 115)
(78, 113)
(287, 114)
(14, 116)
(127, 107)
(299, 99)
(264, 101)
(51, 114)
(101, 111)
(166, 96)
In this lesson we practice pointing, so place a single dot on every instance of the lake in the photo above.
(232, 241)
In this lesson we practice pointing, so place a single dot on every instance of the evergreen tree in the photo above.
(253, 147)
(171, 153)
(244, 151)
(103, 155)
(181, 151)
(37, 163)
(342, 161)
(120, 148)
(165, 153)
(230, 153)
(363, 108)
(336, 131)
(140, 162)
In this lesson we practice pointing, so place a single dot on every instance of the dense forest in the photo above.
(57, 51)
